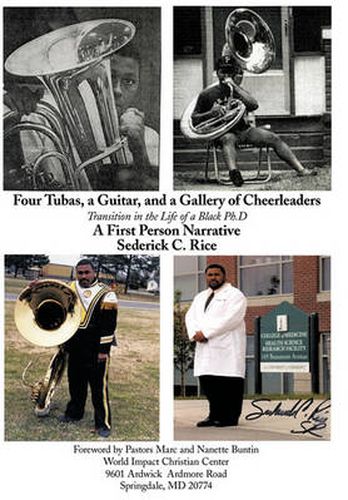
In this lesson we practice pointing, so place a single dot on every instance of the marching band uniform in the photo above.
(95, 335)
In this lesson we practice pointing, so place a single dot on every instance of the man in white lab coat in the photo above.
(215, 321)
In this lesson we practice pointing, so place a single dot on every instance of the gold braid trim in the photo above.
(87, 314)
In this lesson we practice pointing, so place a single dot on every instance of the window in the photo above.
(187, 31)
(265, 275)
(189, 276)
(308, 22)
(325, 274)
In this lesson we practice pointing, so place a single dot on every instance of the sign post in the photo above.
(314, 351)
(258, 375)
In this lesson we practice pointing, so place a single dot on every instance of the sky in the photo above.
(64, 259)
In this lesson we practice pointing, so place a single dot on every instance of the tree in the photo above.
(135, 267)
(183, 348)
(25, 262)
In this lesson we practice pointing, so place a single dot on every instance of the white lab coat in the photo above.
(223, 325)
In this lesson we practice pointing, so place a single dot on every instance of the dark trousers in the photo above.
(225, 397)
(95, 374)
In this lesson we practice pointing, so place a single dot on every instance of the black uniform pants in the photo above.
(95, 374)
(225, 397)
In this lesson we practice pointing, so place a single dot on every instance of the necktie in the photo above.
(209, 299)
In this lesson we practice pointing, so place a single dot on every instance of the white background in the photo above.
(284, 469)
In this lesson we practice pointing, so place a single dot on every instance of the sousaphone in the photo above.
(47, 314)
(250, 42)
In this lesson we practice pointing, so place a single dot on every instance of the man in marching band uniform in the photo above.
(216, 100)
(89, 349)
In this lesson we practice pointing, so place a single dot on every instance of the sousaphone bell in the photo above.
(47, 314)
(249, 40)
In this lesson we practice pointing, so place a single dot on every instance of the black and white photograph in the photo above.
(252, 98)
(82, 98)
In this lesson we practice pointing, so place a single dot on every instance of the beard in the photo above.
(85, 283)
(214, 285)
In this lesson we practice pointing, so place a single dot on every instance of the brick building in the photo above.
(267, 281)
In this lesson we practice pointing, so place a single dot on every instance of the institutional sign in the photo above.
(284, 340)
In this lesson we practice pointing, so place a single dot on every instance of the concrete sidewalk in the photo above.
(279, 420)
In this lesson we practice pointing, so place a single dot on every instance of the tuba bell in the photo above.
(81, 124)
(250, 42)
(47, 314)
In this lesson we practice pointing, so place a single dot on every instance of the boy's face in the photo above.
(125, 81)
(230, 72)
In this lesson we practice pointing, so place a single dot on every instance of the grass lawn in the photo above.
(15, 285)
(133, 383)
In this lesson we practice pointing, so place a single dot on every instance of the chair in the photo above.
(262, 175)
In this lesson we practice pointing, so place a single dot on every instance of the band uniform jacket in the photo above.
(222, 323)
(96, 332)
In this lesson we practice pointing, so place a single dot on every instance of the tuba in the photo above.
(250, 42)
(79, 129)
(47, 314)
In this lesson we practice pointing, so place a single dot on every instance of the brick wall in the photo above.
(306, 282)
(305, 295)
(326, 48)
(306, 288)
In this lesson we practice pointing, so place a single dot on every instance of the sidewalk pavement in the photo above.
(279, 420)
